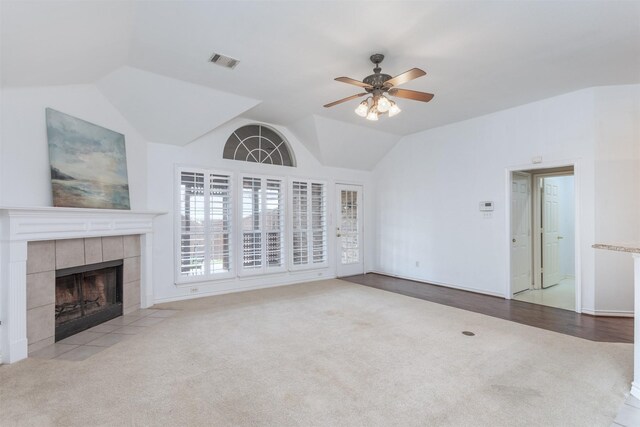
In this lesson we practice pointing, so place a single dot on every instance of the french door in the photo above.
(349, 230)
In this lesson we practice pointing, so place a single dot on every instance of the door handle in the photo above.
(513, 240)
(560, 237)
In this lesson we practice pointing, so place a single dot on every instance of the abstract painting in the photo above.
(88, 164)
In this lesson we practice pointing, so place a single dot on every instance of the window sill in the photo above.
(303, 269)
(182, 283)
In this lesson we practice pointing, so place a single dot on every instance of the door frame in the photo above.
(537, 220)
(577, 170)
(334, 224)
(529, 177)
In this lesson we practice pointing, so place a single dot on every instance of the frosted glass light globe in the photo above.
(383, 104)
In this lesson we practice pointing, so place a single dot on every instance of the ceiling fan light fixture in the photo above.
(362, 109)
(383, 104)
(377, 85)
(394, 109)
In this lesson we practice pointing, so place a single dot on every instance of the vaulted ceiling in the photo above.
(151, 60)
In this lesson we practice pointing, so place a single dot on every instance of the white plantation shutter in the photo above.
(251, 230)
(309, 230)
(205, 225)
(300, 211)
(192, 224)
(220, 219)
(262, 225)
(318, 223)
(274, 223)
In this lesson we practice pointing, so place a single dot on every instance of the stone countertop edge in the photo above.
(619, 247)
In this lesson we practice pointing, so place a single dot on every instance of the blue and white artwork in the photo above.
(88, 164)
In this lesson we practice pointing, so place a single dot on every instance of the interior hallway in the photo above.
(561, 295)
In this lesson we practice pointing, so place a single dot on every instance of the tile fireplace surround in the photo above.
(63, 236)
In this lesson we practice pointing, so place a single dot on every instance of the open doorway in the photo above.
(543, 237)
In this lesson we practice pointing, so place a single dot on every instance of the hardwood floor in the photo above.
(605, 329)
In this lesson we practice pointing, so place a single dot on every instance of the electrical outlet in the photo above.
(417, 263)
(487, 215)
(194, 290)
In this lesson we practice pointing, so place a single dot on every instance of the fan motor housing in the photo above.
(376, 80)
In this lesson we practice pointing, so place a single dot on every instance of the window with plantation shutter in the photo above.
(205, 225)
(262, 225)
(309, 224)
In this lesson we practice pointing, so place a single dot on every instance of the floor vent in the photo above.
(224, 61)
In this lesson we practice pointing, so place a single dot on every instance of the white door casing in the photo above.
(349, 230)
(548, 168)
(520, 232)
(551, 274)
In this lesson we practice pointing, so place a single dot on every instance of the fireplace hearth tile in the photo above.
(131, 270)
(40, 323)
(53, 351)
(112, 248)
(37, 346)
(39, 289)
(129, 330)
(163, 313)
(104, 328)
(69, 253)
(108, 340)
(80, 353)
(131, 297)
(131, 246)
(122, 320)
(148, 321)
(145, 311)
(93, 250)
(41, 256)
(81, 338)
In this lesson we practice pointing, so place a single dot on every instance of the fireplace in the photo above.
(86, 296)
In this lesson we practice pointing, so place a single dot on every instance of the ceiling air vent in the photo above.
(224, 61)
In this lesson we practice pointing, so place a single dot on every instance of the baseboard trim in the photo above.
(446, 285)
(605, 313)
(242, 289)
(635, 390)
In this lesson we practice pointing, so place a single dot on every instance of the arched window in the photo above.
(258, 144)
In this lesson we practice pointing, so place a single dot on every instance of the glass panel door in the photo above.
(349, 230)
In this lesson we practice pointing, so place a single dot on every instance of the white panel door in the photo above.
(520, 233)
(551, 274)
(349, 230)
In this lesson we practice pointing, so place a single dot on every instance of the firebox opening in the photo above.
(87, 296)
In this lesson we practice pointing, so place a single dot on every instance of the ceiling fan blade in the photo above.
(353, 82)
(413, 73)
(348, 98)
(411, 94)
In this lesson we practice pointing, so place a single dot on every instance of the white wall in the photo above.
(25, 178)
(429, 186)
(206, 152)
(617, 186)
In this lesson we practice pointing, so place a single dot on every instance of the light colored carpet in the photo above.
(328, 353)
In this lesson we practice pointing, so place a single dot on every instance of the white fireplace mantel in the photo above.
(19, 225)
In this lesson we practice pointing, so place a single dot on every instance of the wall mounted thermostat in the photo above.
(486, 206)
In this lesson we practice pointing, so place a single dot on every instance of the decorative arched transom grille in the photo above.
(258, 144)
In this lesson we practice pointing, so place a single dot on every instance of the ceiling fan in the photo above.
(377, 85)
